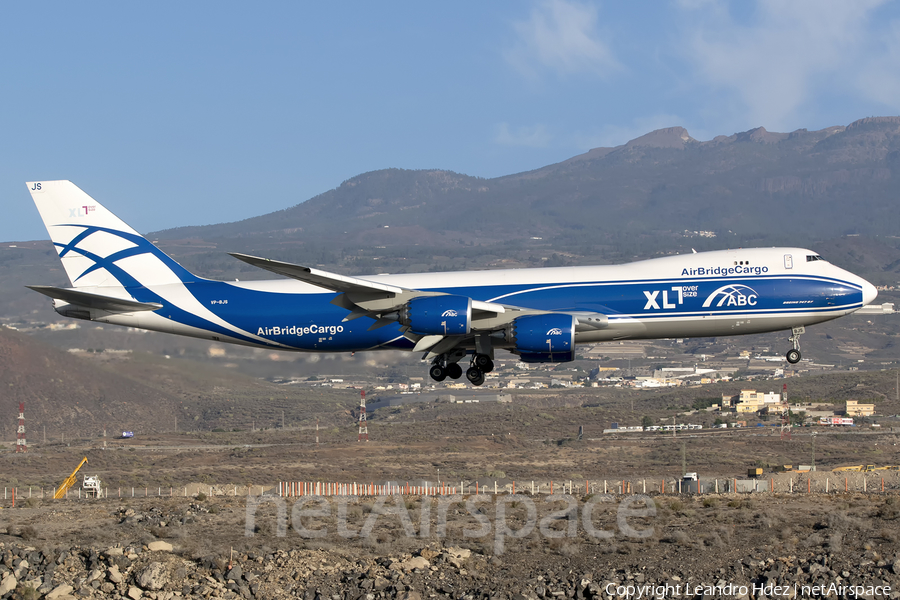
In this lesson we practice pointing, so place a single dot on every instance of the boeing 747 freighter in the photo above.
(119, 277)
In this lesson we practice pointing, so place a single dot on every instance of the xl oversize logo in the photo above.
(81, 211)
(732, 295)
(555, 331)
(450, 313)
(653, 297)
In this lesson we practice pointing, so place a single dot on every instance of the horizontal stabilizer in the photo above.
(98, 301)
(322, 279)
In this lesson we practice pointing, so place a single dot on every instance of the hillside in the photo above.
(83, 395)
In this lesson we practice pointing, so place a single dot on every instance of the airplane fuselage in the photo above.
(120, 277)
(717, 293)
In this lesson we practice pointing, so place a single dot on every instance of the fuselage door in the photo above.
(788, 261)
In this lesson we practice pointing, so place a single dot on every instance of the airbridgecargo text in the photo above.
(724, 271)
(298, 330)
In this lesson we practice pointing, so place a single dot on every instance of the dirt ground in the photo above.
(485, 444)
(474, 546)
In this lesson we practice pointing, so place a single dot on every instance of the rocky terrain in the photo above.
(836, 545)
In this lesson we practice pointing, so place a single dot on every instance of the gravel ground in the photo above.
(751, 546)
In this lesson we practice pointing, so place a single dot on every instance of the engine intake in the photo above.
(438, 315)
(544, 338)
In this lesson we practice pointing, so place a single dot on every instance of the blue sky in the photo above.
(202, 112)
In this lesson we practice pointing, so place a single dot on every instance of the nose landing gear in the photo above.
(793, 355)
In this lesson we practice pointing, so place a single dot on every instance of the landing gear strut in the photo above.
(447, 364)
(793, 355)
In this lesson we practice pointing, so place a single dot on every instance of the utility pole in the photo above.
(363, 427)
(785, 415)
(813, 465)
(21, 446)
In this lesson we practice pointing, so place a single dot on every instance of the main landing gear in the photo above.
(793, 355)
(481, 364)
(444, 366)
(441, 370)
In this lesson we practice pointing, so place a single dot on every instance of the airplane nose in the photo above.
(869, 292)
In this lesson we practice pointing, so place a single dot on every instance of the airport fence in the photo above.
(791, 483)
(781, 483)
(12, 494)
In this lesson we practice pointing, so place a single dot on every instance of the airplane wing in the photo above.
(322, 279)
(98, 301)
(349, 285)
(389, 304)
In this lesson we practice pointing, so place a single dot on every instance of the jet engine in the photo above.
(544, 338)
(438, 315)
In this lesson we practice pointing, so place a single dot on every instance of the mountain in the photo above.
(651, 195)
(834, 190)
(832, 182)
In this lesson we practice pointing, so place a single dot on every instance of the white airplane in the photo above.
(119, 277)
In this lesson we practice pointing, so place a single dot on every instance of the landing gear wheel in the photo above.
(475, 376)
(454, 371)
(484, 363)
(793, 355)
(437, 372)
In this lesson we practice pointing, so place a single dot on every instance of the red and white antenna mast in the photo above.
(21, 446)
(363, 428)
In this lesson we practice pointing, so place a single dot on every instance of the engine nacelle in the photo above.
(438, 315)
(544, 338)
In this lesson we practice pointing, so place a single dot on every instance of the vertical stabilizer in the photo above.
(98, 249)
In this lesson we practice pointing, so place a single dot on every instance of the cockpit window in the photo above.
(812, 257)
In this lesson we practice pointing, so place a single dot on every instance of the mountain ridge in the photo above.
(753, 174)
